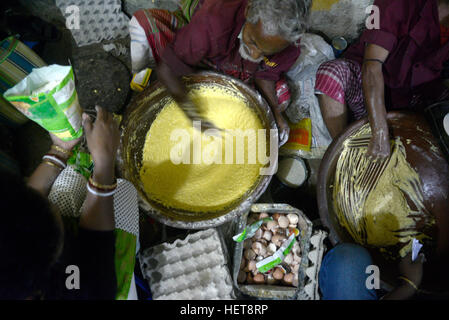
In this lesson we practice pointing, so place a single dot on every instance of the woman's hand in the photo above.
(283, 128)
(412, 270)
(45, 175)
(379, 146)
(66, 145)
(103, 138)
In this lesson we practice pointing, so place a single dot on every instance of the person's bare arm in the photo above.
(178, 91)
(268, 90)
(45, 175)
(413, 271)
(103, 139)
(173, 83)
(374, 93)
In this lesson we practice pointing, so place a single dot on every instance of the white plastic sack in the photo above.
(344, 18)
(301, 77)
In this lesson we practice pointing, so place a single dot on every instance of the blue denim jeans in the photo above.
(343, 274)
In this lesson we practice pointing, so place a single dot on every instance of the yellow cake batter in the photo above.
(208, 185)
(370, 198)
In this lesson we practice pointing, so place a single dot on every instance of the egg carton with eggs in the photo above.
(194, 268)
(286, 280)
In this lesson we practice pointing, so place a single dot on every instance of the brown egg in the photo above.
(288, 279)
(278, 274)
(259, 278)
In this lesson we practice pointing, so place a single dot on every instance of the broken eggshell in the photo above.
(283, 222)
(247, 244)
(289, 259)
(278, 274)
(249, 254)
(278, 239)
(288, 279)
(267, 235)
(271, 248)
(259, 234)
(259, 278)
(265, 242)
(252, 265)
(272, 225)
(271, 280)
(259, 248)
(263, 215)
(293, 219)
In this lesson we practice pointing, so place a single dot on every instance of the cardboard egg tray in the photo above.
(194, 268)
(315, 255)
(98, 20)
(264, 291)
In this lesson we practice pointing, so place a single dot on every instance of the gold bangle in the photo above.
(410, 282)
(52, 164)
(102, 186)
(62, 150)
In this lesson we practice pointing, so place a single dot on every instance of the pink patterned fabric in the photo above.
(341, 80)
(283, 94)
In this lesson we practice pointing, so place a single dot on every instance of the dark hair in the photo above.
(30, 236)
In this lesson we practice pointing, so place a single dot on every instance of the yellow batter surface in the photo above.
(372, 200)
(206, 186)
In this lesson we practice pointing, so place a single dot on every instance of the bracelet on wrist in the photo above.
(102, 186)
(100, 192)
(55, 160)
(68, 153)
(52, 164)
(410, 282)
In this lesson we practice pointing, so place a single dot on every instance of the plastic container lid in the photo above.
(292, 172)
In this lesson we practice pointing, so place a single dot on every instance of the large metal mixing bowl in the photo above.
(136, 123)
(425, 157)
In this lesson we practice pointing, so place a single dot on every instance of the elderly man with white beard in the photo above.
(256, 41)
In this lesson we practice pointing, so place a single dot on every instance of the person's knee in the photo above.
(348, 251)
(343, 273)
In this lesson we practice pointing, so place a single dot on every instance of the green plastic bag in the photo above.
(48, 97)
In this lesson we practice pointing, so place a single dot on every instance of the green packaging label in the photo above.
(48, 96)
